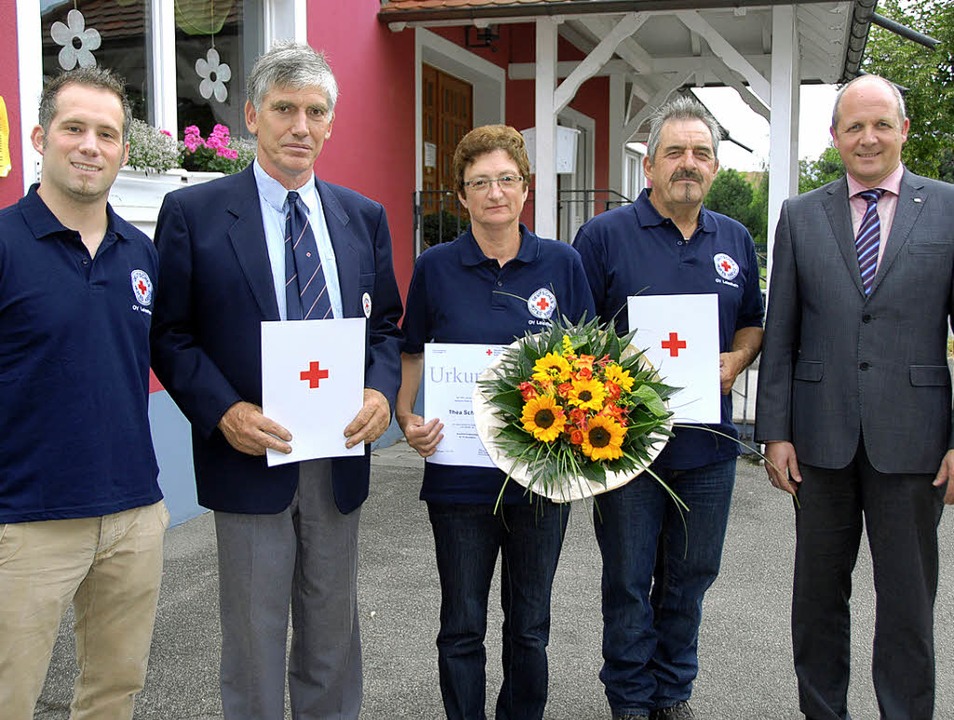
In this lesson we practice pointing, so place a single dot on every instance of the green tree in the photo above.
(731, 195)
(734, 195)
(815, 173)
(927, 75)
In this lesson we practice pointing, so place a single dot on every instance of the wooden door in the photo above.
(447, 115)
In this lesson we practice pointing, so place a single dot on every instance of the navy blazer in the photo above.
(217, 288)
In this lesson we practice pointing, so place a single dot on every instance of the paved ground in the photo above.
(745, 649)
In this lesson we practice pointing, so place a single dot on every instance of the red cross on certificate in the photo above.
(489, 352)
(543, 303)
(314, 375)
(673, 344)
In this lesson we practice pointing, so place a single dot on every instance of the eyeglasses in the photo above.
(504, 182)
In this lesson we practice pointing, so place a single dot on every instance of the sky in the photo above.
(752, 130)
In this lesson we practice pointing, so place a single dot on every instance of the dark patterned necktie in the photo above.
(868, 238)
(305, 290)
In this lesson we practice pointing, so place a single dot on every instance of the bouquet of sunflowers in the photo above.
(572, 411)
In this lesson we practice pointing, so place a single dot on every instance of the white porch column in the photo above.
(783, 128)
(545, 190)
(617, 119)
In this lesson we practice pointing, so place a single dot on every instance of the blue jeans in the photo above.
(468, 539)
(658, 563)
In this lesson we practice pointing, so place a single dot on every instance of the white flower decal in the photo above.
(209, 67)
(73, 34)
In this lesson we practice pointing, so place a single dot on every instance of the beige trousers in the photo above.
(110, 568)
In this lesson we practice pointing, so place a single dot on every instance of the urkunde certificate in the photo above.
(450, 374)
(313, 384)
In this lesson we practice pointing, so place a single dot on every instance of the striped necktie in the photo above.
(869, 238)
(306, 293)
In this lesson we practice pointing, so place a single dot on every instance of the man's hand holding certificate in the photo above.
(313, 384)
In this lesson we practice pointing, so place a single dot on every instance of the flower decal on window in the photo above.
(214, 75)
(77, 41)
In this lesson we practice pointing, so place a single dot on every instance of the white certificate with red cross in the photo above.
(313, 384)
(679, 335)
(450, 374)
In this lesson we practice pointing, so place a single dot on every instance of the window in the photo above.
(214, 44)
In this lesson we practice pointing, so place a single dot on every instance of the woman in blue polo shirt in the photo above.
(476, 289)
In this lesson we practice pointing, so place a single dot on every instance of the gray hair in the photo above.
(94, 77)
(899, 98)
(680, 108)
(291, 65)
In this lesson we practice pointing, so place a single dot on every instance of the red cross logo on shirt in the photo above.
(543, 304)
(143, 288)
(314, 375)
(673, 344)
(726, 265)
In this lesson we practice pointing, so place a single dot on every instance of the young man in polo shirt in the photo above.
(659, 562)
(81, 513)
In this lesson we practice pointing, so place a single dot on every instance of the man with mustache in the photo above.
(287, 535)
(658, 562)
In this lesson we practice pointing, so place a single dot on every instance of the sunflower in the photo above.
(603, 439)
(587, 394)
(619, 376)
(543, 418)
(551, 367)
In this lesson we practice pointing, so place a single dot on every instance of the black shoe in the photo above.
(679, 711)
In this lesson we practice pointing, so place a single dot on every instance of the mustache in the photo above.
(686, 175)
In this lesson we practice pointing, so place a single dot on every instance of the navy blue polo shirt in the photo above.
(459, 295)
(74, 368)
(633, 249)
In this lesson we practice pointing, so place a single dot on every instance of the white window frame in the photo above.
(283, 19)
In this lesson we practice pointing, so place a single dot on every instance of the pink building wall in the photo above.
(11, 186)
(372, 145)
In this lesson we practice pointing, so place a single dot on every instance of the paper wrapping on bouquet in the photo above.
(489, 423)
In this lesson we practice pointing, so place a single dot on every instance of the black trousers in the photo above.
(900, 514)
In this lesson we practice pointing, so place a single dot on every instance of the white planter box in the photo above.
(137, 195)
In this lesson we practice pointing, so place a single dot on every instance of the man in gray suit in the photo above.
(854, 403)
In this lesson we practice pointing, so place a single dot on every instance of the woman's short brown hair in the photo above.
(486, 139)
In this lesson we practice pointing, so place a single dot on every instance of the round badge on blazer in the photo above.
(142, 286)
(366, 304)
(542, 304)
(726, 266)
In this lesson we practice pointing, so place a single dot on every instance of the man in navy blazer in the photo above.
(854, 403)
(286, 534)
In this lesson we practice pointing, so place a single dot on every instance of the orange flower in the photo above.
(577, 416)
(527, 390)
(584, 374)
(614, 411)
(613, 390)
(585, 361)
(576, 436)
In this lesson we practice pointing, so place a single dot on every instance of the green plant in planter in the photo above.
(151, 149)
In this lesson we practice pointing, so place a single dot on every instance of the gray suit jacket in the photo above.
(835, 363)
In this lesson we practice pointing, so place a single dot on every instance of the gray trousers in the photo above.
(305, 556)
